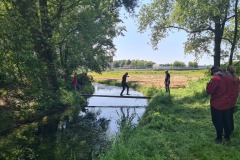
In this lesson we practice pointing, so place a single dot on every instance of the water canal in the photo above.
(114, 109)
(55, 138)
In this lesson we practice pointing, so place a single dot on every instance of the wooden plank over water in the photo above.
(127, 96)
(115, 106)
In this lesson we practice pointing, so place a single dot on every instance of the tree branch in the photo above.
(227, 39)
(228, 18)
(192, 31)
(67, 35)
(62, 9)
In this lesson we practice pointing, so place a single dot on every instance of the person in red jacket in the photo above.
(233, 91)
(220, 103)
(74, 82)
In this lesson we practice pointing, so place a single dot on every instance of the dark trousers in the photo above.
(167, 87)
(222, 121)
(124, 85)
(232, 119)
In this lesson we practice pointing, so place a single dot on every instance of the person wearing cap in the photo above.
(167, 81)
(124, 84)
(233, 90)
(220, 103)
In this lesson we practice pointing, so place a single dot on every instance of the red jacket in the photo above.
(218, 89)
(233, 89)
(74, 81)
(236, 91)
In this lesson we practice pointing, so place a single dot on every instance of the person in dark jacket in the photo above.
(167, 81)
(124, 84)
(220, 103)
(233, 90)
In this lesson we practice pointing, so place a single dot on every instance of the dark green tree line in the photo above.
(133, 63)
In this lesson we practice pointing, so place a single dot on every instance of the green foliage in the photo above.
(47, 139)
(110, 82)
(70, 99)
(43, 42)
(4, 80)
(150, 91)
(178, 64)
(236, 65)
(193, 17)
(193, 64)
(116, 64)
(132, 85)
(74, 102)
(7, 118)
(133, 63)
(13, 148)
(162, 98)
(180, 125)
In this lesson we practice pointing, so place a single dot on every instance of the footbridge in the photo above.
(115, 96)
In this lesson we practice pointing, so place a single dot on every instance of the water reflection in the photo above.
(82, 139)
(113, 108)
(56, 137)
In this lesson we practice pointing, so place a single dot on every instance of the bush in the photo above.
(153, 90)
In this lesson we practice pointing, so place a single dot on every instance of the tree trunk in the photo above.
(235, 34)
(217, 45)
(47, 51)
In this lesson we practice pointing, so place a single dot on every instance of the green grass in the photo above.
(119, 73)
(175, 127)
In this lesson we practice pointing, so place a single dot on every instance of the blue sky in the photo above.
(135, 45)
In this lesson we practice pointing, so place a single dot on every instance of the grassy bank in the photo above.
(175, 127)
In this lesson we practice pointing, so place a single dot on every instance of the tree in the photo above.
(193, 64)
(116, 64)
(178, 64)
(41, 38)
(232, 35)
(128, 62)
(141, 63)
(149, 64)
(134, 64)
(204, 21)
(122, 63)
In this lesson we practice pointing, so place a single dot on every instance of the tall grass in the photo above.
(176, 126)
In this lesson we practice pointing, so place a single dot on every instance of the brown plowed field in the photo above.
(178, 78)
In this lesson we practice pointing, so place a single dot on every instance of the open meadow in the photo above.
(179, 78)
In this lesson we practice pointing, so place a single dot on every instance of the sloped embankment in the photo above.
(176, 127)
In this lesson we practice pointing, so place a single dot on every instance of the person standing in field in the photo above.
(167, 81)
(124, 84)
(220, 103)
(233, 91)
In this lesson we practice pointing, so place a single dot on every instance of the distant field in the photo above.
(149, 77)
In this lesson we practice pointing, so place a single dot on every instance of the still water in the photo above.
(114, 109)
(54, 137)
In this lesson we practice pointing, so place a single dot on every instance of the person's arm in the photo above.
(211, 86)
